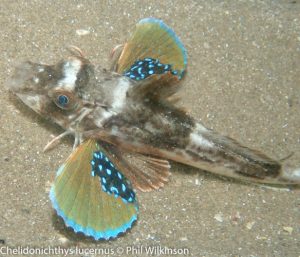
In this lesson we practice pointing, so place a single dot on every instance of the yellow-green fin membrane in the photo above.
(153, 49)
(92, 196)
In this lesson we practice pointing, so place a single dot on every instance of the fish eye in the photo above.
(63, 100)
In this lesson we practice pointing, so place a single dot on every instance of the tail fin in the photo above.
(224, 156)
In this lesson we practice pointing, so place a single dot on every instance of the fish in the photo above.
(128, 126)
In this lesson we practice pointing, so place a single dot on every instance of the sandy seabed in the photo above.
(242, 81)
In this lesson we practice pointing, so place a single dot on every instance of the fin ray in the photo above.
(153, 39)
(145, 173)
(85, 202)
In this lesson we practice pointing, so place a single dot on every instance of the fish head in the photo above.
(55, 92)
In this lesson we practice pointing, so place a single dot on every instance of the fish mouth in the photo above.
(34, 101)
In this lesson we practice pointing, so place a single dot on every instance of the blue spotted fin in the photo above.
(144, 172)
(153, 48)
(92, 196)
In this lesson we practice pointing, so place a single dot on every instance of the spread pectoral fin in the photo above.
(145, 173)
(152, 49)
(92, 196)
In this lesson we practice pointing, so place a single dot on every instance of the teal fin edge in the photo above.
(171, 33)
(88, 231)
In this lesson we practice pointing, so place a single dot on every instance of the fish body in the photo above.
(137, 117)
(130, 110)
